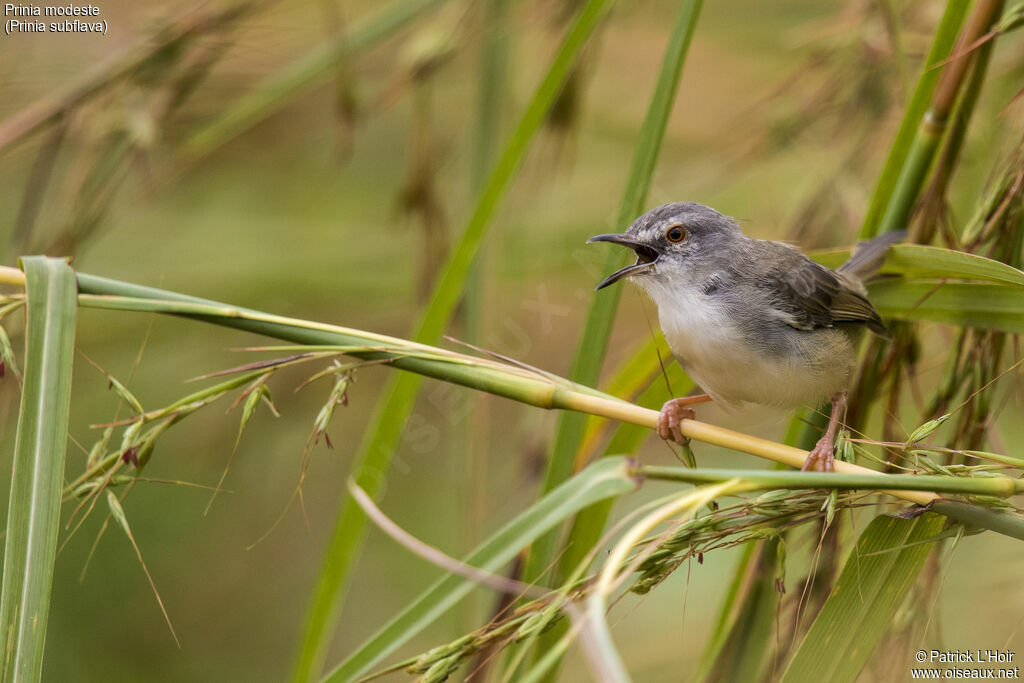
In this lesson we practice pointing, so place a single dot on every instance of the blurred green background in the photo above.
(782, 120)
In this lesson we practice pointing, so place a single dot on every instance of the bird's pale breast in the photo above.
(777, 365)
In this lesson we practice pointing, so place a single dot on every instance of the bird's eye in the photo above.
(676, 233)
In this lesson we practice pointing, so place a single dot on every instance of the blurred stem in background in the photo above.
(474, 448)
(346, 102)
(383, 434)
(932, 127)
(597, 329)
(283, 86)
(895, 167)
(543, 564)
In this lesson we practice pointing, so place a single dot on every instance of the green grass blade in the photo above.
(606, 479)
(303, 73)
(1004, 522)
(384, 432)
(968, 304)
(873, 584)
(992, 299)
(925, 261)
(942, 45)
(597, 329)
(33, 515)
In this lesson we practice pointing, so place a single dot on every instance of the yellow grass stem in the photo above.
(12, 276)
(719, 436)
(513, 382)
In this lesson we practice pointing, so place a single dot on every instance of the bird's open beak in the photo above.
(646, 256)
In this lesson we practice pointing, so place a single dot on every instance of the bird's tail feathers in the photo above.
(867, 256)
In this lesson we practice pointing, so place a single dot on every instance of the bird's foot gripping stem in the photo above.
(673, 413)
(822, 457)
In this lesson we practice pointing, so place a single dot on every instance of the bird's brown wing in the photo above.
(851, 306)
(811, 296)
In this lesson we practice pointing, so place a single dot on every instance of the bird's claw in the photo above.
(821, 458)
(672, 413)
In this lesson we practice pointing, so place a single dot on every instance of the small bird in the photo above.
(751, 320)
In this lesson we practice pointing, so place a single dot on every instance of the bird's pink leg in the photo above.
(673, 412)
(821, 457)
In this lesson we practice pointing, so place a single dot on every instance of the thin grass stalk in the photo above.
(48, 110)
(997, 485)
(932, 127)
(480, 374)
(382, 437)
(305, 72)
(473, 443)
(33, 513)
(520, 384)
(925, 229)
(597, 329)
(942, 45)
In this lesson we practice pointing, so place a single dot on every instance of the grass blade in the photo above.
(874, 582)
(383, 434)
(968, 304)
(33, 515)
(605, 479)
(926, 261)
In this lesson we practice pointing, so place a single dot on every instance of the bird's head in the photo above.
(673, 241)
